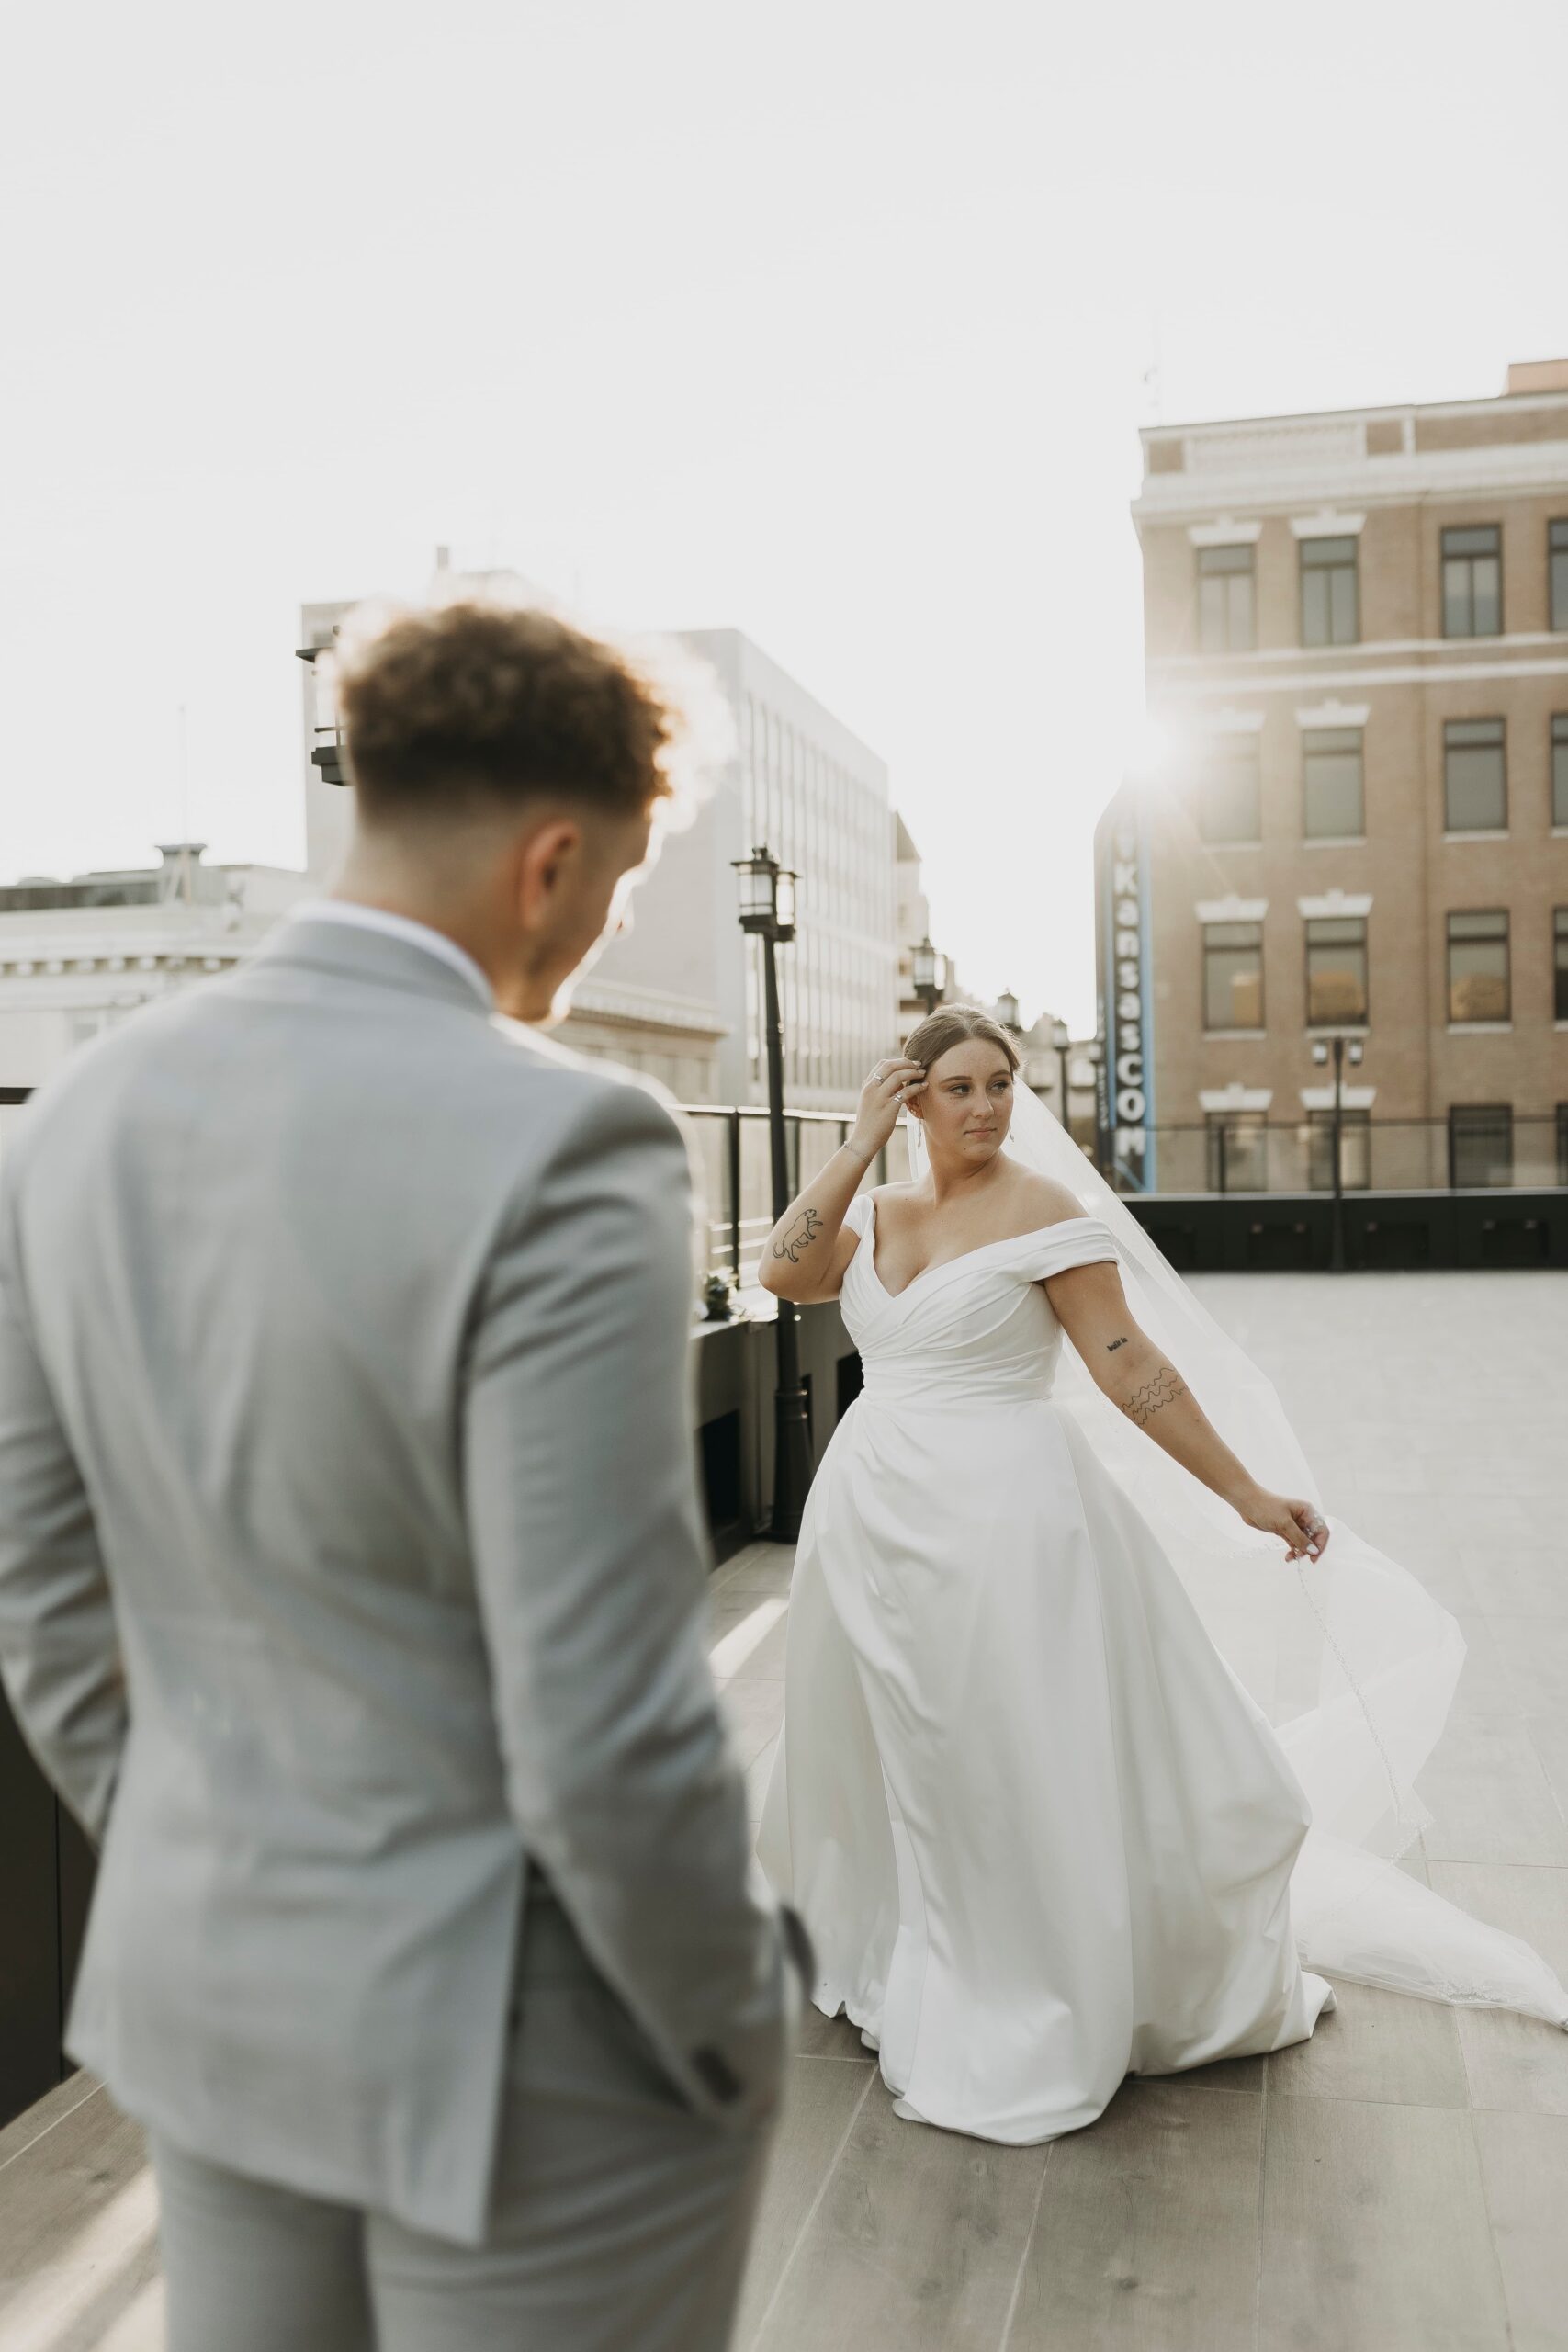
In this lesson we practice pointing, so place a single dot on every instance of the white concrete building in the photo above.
(802, 784)
(77, 956)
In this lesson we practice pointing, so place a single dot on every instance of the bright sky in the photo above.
(828, 320)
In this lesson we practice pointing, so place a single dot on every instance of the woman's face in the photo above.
(966, 1107)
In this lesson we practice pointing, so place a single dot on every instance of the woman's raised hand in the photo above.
(1303, 1527)
(888, 1088)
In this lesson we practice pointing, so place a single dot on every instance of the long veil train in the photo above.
(1350, 1659)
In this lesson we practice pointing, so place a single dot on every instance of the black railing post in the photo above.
(792, 1431)
(732, 1145)
(1337, 1238)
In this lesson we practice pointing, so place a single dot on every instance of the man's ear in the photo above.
(542, 858)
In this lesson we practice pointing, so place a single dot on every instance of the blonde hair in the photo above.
(954, 1024)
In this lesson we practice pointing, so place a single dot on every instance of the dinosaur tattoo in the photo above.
(801, 1235)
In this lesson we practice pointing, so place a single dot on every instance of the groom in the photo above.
(351, 1584)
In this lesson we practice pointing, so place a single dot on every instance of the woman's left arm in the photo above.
(1126, 1366)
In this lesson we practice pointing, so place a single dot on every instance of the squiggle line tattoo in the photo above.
(801, 1235)
(1145, 1403)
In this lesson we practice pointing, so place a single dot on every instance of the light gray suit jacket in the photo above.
(350, 1556)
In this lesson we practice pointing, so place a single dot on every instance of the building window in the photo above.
(1478, 966)
(1475, 781)
(1559, 964)
(1332, 805)
(1230, 796)
(1559, 768)
(1355, 1150)
(1330, 606)
(1472, 581)
(1557, 565)
(1337, 969)
(1237, 1147)
(1481, 1144)
(1233, 975)
(1225, 620)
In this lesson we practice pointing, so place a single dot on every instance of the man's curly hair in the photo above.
(467, 706)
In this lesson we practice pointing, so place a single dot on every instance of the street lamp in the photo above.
(1062, 1037)
(1006, 1009)
(926, 968)
(767, 908)
(327, 756)
(1321, 1048)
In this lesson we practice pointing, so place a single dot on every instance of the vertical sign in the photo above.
(1128, 991)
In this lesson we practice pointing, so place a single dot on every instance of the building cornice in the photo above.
(1370, 649)
(1292, 481)
(1335, 903)
(1231, 910)
(1351, 1098)
(1234, 1097)
(1496, 405)
(1333, 713)
(646, 1008)
(1436, 673)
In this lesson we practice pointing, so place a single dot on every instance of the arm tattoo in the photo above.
(1122, 1343)
(1145, 1403)
(801, 1235)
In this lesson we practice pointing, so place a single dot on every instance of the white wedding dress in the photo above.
(1041, 1830)
(1041, 1835)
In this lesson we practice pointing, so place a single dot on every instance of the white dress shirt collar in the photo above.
(404, 927)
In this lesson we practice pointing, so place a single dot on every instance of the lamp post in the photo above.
(1094, 1053)
(327, 756)
(1006, 1009)
(1320, 1054)
(1062, 1038)
(767, 908)
(925, 969)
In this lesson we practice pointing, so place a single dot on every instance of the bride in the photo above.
(1075, 1774)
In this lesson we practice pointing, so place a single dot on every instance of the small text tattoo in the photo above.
(801, 1235)
(1122, 1343)
(1145, 1403)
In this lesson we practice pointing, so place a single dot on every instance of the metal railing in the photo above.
(1500, 1151)
(732, 1146)
(1235, 1156)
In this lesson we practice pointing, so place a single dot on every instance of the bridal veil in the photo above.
(1353, 1663)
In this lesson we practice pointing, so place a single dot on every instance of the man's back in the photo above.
(364, 1316)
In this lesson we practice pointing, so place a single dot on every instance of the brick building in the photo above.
(1357, 654)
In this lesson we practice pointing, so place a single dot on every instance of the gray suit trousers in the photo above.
(619, 2222)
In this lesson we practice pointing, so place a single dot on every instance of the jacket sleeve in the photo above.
(60, 1653)
(580, 1492)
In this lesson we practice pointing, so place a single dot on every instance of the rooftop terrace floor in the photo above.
(1397, 2183)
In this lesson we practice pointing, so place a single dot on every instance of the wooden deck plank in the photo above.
(1379, 2046)
(1514, 2062)
(821, 2101)
(1524, 2166)
(1148, 2234)
(916, 2245)
(1375, 2233)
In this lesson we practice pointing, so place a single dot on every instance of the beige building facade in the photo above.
(1357, 820)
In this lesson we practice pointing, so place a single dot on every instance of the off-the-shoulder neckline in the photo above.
(1003, 1241)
